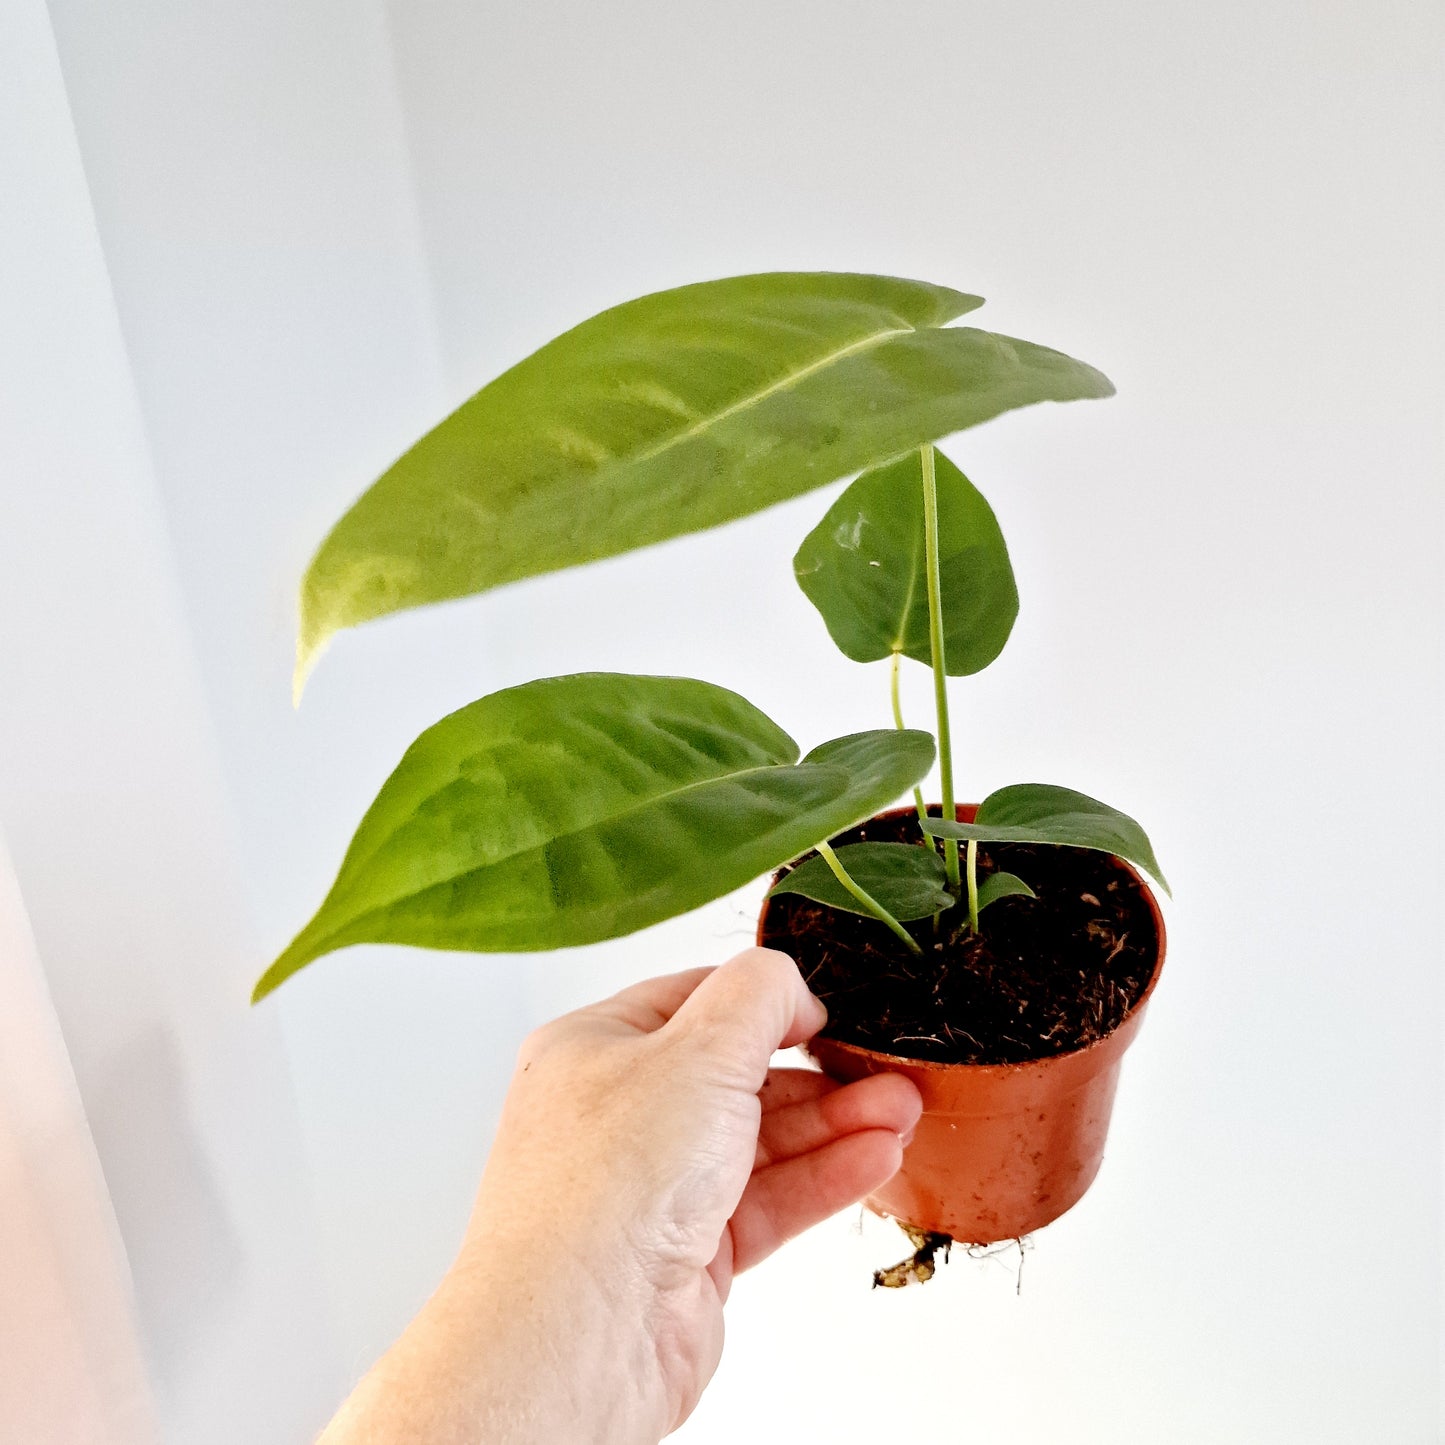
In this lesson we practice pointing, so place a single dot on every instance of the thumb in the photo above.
(752, 1006)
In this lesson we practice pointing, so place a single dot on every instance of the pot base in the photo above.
(1000, 1150)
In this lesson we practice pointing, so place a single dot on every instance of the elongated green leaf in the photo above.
(666, 415)
(863, 568)
(580, 808)
(906, 879)
(1002, 885)
(1043, 813)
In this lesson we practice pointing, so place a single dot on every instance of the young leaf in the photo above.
(580, 808)
(862, 567)
(906, 879)
(1043, 813)
(666, 415)
(1002, 885)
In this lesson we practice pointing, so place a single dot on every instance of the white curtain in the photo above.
(196, 1253)
(71, 1366)
(70, 1360)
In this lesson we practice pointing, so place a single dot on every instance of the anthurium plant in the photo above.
(575, 809)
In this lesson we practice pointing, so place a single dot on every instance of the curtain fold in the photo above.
(115, 812)
(70, 1359)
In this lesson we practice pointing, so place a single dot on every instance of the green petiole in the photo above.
(866, 899)
(940, 680)
(898, 723)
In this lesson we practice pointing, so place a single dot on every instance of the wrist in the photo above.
(557, 1348)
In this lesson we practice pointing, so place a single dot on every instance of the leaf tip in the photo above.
(299, 674)
(266, 984)
(311, 641)
(291, 960)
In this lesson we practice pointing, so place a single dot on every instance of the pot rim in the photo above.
(940, 1066)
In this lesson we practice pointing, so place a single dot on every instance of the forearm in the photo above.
(508, 1351)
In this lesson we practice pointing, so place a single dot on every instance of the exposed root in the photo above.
(920, 1266)
(1004, 1247)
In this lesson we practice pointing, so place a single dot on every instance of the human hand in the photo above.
(646, 1153)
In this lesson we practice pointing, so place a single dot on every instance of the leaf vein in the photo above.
(783, 383)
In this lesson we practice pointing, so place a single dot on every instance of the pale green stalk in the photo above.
(866, 899)
(973, 884)
(898, 723)
(940, 679)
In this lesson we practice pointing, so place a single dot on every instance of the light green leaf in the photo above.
(1002, 885)
(666, 415)
(905, 878)
(863, 568)
(580, 808)
(1043, 813)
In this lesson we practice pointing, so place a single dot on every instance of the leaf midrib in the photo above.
(901, 639)
(783, 383)
(637, 807)
(582, 729)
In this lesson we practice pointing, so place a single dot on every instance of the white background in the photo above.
(322, 225)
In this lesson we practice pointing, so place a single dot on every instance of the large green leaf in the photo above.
(665, 415)
(863, 568)
(1043, 813)
(580, 808)
(906, 879)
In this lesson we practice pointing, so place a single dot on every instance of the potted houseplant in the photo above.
(1001, 955)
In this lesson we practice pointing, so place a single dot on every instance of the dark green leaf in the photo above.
(580, 808)
(906, 879)
(1002, 885)
(1043, 813)
(863, 568)
(666, 415)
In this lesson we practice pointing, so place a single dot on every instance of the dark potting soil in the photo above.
(1043, 976)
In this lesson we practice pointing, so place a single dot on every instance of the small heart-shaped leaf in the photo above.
(863, 568)
(1044, 813)
(905, 878)
(1002, 885)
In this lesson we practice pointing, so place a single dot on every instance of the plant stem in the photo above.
(973, 884)
(940, 679)
(866, 899)
(898, 723)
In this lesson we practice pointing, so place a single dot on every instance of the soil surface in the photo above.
(1044, 975)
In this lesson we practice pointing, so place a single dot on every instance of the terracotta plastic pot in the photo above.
(1001, 1149)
